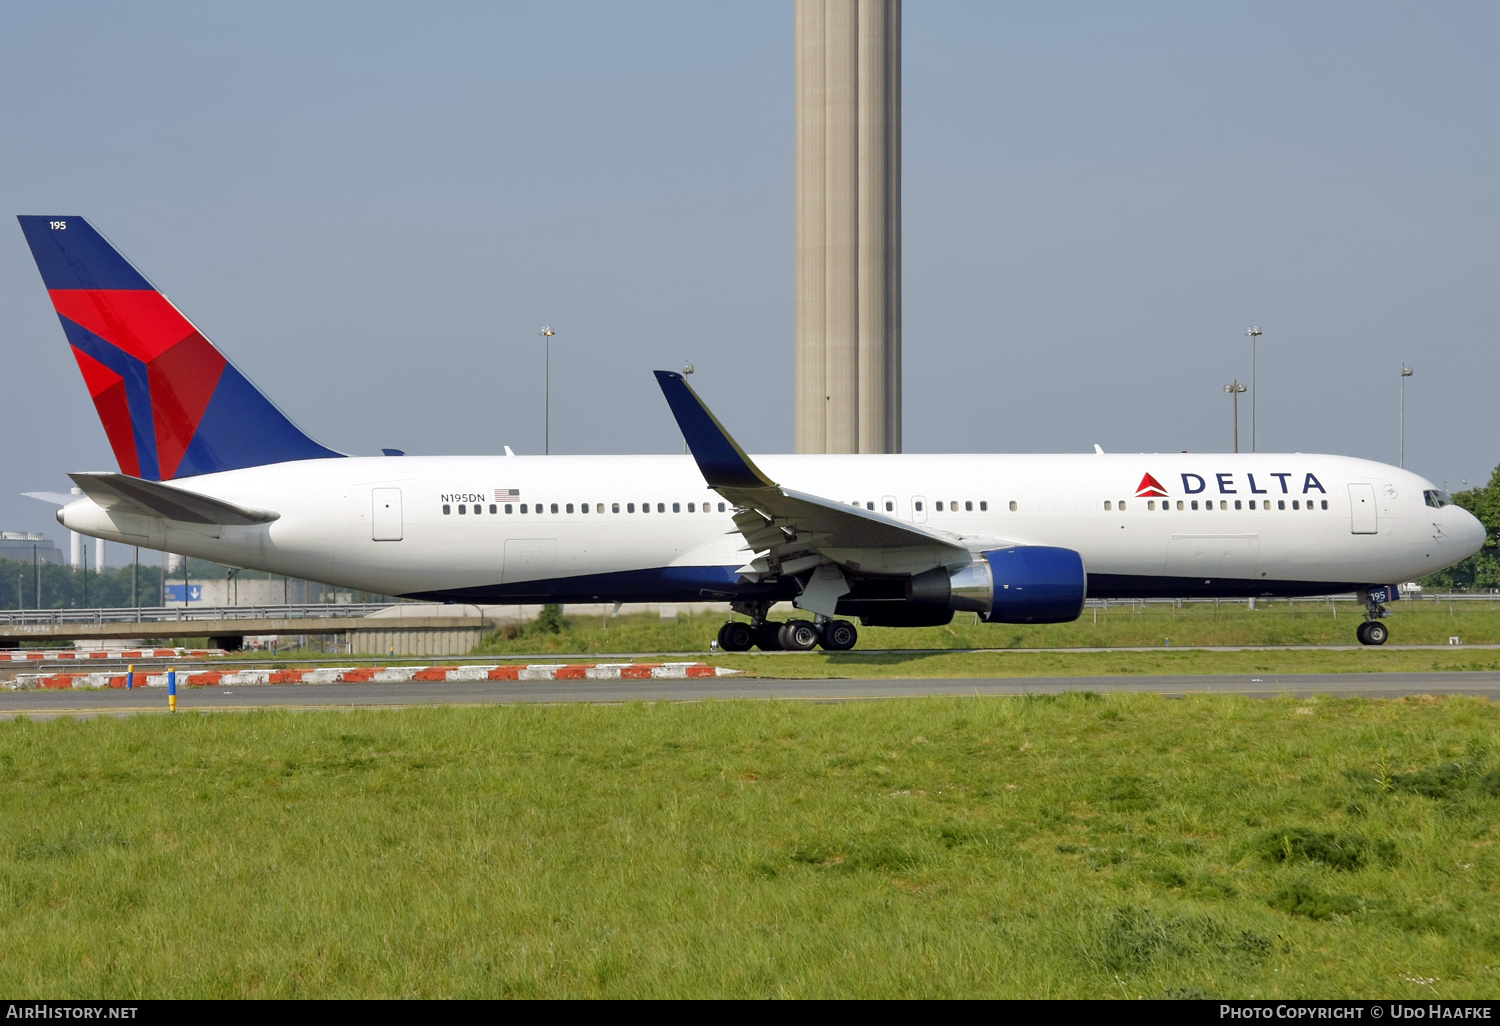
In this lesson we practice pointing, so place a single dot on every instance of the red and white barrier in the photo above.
(18, 655)
(368, 674)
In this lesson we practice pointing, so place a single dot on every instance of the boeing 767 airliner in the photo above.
(895, 540)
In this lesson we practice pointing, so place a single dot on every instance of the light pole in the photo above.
(547, 334)
(687, 370)
(1406, 372)
(1254, 332)
(1235, 390)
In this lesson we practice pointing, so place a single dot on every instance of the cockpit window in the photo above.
(1437, 499)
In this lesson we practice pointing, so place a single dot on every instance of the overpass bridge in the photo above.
(424, 629)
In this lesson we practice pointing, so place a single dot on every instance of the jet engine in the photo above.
(1023, 584)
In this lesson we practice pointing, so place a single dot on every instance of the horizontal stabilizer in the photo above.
(56, 498)
(153, 499)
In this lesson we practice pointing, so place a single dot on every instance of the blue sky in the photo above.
(373, 208)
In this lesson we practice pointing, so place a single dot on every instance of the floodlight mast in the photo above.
(1235, 390)
(547, 334)
(1406, 372)
(1254, 332)
(687, 369)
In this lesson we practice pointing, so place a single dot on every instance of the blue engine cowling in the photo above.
(1024, 584)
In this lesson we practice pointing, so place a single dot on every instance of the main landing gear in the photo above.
(791, 636)
(1372, 631)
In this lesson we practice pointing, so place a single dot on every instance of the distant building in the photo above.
(22, 545)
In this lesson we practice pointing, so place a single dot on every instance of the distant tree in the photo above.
(1481, 570)
(550, 620)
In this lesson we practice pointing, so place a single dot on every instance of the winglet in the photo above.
(720, 458)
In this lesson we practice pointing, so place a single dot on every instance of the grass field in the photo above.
(1070, 846)
(1305, 623)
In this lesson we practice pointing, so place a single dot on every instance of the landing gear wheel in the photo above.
(736, 637)
(1372, 632)
(839, 635)
(799, 635)
(768, 636)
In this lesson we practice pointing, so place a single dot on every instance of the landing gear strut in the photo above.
(792, 636)
(1372, 631)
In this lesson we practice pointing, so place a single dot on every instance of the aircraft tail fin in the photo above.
(172, 405)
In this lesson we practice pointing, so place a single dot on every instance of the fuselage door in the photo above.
(385, 524)
(1364, 518)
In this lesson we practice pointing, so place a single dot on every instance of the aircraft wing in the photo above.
(796, 530)
(154, 499)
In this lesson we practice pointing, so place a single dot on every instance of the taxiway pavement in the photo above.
(397, 695)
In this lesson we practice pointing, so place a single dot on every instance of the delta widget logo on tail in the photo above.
(1150, 488)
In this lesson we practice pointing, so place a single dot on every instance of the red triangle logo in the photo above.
(1149, 487)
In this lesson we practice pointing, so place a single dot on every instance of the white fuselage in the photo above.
(1315, 520)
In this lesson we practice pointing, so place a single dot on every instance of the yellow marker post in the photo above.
(171, 691)
(130, 676)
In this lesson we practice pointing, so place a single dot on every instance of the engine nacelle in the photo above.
(1023, 584)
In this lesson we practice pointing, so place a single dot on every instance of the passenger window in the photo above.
(599, 508)
(1325, 503)
(721, 507)
(1122, 505)
(969, 505)
(583, 507)
(447, 509)
(676, 507)
(889, 507)
(1236, 503)
(917, 506)
(1195, 504)
(953, 506)
(492, 509)
(870, 506)
(661, 507)
(1223, 503)
(1151, 505)
(509, 509)
(569, 508)
(523, 507)
(1179, 504)
(984, 505)
(1294, 506)
(1107, 506)
(1281, 504)
(462, 509)
(940, 505)
(614, 507)
(478, 509)
(630, 507)
(1012, 505)
(645, 507)
(692, 507)
(1252, 503)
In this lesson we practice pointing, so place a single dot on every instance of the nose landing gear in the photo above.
(1372, 631)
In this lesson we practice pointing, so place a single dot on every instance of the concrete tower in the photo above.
(848, 225)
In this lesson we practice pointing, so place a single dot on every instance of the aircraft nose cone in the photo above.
(1470, 529)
